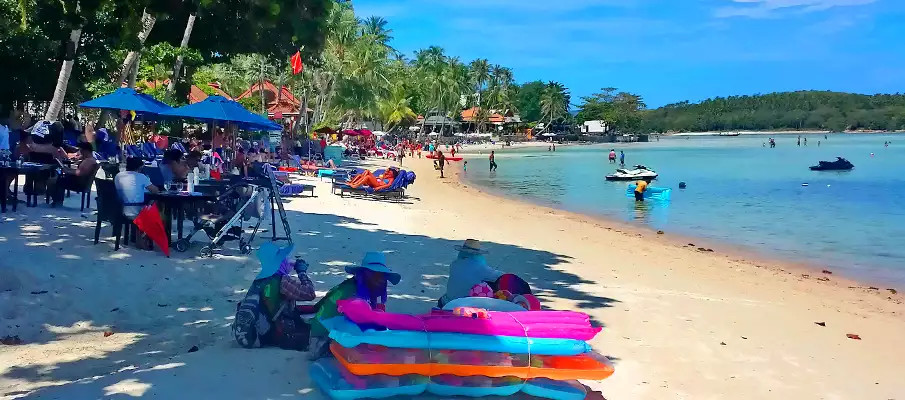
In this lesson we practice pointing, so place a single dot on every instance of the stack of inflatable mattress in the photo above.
(463, 353)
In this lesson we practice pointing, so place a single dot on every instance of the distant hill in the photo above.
(803, 110)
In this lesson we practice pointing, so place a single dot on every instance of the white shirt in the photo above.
(131, 187)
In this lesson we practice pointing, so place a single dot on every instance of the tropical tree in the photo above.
(554, 102)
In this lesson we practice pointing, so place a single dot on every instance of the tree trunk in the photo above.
(59, 93)
(147, 21)
(133, 74)
(177, 68)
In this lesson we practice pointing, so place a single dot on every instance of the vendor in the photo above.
(369, 282)
(469, 269)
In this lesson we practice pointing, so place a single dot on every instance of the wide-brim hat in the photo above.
(471, 246)
(377, 262)
(271, 256)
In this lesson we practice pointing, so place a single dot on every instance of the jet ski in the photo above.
(840, 164)
(639, 173)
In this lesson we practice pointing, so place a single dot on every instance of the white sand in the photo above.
(666, 309)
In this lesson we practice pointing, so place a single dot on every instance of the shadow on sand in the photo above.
(188, 301)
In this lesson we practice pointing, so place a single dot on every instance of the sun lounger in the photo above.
(395, 191)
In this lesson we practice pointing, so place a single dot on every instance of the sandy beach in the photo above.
(679, 323)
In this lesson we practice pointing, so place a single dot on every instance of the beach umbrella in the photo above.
(350, 132)
(149, 222)
(128, 99)
(365, 132)
(221, 109)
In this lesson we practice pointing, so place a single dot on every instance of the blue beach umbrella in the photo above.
(128, 99)
(221, 109)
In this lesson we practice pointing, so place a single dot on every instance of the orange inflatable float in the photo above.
(372, 360)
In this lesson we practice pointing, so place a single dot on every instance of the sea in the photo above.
(739, 191)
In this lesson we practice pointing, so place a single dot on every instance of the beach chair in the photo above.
(396, 190)
(109, 209)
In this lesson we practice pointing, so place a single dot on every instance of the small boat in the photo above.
(639, 173)
(729, 134)
(840, 164)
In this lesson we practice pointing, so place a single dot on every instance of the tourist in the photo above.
(172, 168)
(806, 142)
(799, 141)
(441, 162)
(492, 161)
(640, 188)
(368, 282)
(469, 269)
(621, 158)
(554, 146)
(74, 179)
(612, 156)
(131, 186)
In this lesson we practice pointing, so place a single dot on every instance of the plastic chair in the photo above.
(109, 209)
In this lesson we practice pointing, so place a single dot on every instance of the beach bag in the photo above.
(252, 325)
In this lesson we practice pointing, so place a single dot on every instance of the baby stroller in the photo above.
(224, 222)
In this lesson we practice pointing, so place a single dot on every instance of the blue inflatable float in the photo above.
(349, 335)
(653, 193)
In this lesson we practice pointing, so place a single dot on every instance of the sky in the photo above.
(666, 50)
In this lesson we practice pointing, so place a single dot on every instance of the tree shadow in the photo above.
(159, 308)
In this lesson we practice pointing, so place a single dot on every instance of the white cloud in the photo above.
(767, 8)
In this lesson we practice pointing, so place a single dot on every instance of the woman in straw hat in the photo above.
(368, 282)
(469, 269)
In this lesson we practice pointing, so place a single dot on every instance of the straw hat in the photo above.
(377, 262)
(471, 246)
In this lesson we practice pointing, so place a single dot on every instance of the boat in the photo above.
(840, 164)
(729, 134)
(639, 173)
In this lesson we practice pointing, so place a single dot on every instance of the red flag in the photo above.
(296, 62)
(148, 220)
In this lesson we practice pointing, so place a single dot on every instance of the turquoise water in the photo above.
(738, 193)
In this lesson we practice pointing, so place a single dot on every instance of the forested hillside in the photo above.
(790, 110)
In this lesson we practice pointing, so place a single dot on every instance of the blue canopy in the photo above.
(221, 109)
(128, 99)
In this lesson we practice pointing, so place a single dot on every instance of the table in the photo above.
(29, 170)
(173, 200)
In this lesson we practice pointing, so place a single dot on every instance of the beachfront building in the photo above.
(280, 104)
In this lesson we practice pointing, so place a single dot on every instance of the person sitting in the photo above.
(368, 282)
(172, 167)
(193, 160)
(377, 183)
(469, 269)
(271, 298)
(131, 186)
(74, 178)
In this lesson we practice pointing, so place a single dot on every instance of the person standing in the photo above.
(799, 141)
(806, 142)
(492, 161)
(612, 156)
(640, 187)
(621, 158)
(441, 162)
(554, 146)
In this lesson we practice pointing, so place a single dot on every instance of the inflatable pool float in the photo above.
(379, 360)
(654, 193)
(433, 156)
(534, 324)
(339, 384)
(348, 334)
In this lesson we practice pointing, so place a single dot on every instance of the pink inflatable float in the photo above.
(537, 324)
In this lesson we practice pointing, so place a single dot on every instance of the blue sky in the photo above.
(666, 50)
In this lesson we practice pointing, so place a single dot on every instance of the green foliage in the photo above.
(804, 110)
(528, 100)
(251, 103)
(621, 111)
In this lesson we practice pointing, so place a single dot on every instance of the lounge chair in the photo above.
(396, 189)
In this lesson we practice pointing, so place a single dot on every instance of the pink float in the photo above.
(537, 324)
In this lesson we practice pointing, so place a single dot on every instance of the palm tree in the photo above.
(76, 14)
(184, 44)
(394, 108)
(554, 102)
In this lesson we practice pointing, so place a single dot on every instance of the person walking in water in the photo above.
(805, 142)
(799, 141)
(612, 156)
(492, 162)
(621, 158)
(640, 187)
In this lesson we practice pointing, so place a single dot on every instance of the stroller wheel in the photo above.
(181, 245)
(206, 251)
(244, 248)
